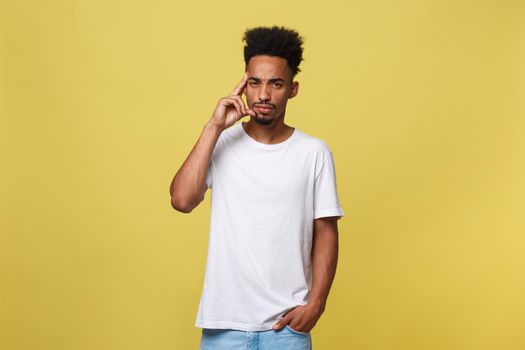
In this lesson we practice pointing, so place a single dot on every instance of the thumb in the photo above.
(281, 323)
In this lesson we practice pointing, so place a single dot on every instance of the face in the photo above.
(269, 85)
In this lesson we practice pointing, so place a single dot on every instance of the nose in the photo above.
(264, 93)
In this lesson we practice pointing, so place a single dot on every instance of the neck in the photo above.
(276, 132)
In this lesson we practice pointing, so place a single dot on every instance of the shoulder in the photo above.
(230, 136)
(315, 145)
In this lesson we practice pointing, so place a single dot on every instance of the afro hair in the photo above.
(274, 41)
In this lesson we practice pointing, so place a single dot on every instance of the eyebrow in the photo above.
(269, 80)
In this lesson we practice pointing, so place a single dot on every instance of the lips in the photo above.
(264, 108)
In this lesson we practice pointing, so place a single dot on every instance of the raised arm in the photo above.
(188, 186)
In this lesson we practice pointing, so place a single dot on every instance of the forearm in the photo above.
(189, 183)
(325, 248)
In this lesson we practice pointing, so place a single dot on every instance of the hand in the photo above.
(302, 318)
(231, 108)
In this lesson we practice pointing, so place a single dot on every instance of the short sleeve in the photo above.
(209, 176)
(326, 200)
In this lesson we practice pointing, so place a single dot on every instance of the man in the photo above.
(273, 241)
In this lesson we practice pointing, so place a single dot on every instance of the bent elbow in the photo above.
(186, 203)
(181, 206)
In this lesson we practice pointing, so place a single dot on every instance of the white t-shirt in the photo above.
(264, 199)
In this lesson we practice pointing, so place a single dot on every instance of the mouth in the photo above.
(264, 108)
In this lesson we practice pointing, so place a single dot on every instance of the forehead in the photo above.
(268, 67)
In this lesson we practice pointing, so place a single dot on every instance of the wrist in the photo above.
(213, 127)
(317, 304)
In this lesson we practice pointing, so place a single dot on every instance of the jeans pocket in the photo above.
(296, 332)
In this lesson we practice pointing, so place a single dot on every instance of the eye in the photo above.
(252, 83)
(278, 84)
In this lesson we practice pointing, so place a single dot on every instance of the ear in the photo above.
(295, 89)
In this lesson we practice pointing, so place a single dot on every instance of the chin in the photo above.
(263, 121)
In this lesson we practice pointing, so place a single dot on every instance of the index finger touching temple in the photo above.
(240, 87)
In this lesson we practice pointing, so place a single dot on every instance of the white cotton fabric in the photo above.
(264, 199)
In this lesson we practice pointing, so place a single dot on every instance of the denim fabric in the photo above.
(231, 339)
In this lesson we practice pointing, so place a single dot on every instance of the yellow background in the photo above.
(422, 103)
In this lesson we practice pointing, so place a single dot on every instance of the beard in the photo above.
(262, 121)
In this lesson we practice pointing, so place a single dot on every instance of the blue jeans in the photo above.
(231, 339)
